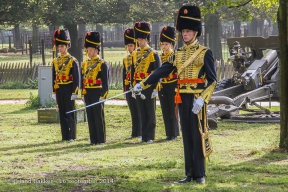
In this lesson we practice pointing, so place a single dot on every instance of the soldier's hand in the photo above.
(197, 105)
(83, 99)
(137, 89)
(74, 96)
(53, 96)
(154, 94)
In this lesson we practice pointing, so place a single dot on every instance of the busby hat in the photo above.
(142, 30)
(129, 36)
(189, 17)
(168, 34)
(62, 37)
(92, 39)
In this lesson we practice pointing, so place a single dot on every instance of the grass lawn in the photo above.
(25, 93)
(245, 157)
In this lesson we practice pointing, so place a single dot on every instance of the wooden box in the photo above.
(51, 115)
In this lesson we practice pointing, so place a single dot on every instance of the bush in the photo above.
(33, 102)
(113, 86)
(31, 84)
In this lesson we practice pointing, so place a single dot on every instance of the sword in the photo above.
(102, 101)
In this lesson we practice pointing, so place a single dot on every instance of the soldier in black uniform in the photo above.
(130, 45)
(66, 81)
(146, 61)
(95, 87)
(196, 81)
(168, 85)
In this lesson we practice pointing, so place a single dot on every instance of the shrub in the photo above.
(31, 84)
(33, 102)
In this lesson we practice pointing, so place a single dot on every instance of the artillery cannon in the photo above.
(256, 79)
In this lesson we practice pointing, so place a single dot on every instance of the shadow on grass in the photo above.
(72, 147)
(162, 176)
(23, 111)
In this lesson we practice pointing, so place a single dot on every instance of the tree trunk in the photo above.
(275, 29)
(253, 28)
(212, 25)
(283, 39)
(81, 31)
(35, 40)
(75, 49)
(237, 28)
(17, 37)
(261, 27)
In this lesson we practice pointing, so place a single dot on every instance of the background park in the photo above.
(246, 157)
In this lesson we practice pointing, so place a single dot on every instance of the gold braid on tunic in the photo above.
(192, 70)
(92, 74)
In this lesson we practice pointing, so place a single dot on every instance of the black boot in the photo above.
(185, 180)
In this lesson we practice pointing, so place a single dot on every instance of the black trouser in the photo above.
(135, 115)
(95, 116)
(166, 97)
(147, 114)
(65, 104)
(194, 159)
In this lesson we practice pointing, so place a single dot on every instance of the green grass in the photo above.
(25, 93)
(245, 157)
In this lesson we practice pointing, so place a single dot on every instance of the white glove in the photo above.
(101, 99)
(137, 89)
(197, 105)
(154, 94)
(74, 96)
(133, 95)
(53, 96)
(83, 99)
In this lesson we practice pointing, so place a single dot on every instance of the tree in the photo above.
(283, 39)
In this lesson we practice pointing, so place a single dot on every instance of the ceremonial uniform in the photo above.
(196, 82)
(127, 83)
(66, 81)
(95, 88)
(146, 61)
(167, 88)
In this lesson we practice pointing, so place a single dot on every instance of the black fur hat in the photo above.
(62, 37)
(92, 39)
(189, 17)
(142, 30)
(168, 34)
(129, 36)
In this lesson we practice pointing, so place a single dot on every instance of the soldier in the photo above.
(130, 45)
(168, 85)
(94, 87)
(66, 81)
(145, 60)
(197, 79)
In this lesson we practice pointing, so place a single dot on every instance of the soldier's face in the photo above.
(166, 46)
(130, 47)
(92, 52)
(142, 42)
(188, 36)
(62, 49)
